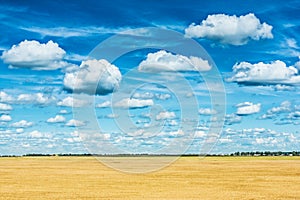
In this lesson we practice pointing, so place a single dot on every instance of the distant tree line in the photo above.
(267, 153)
(251, 153)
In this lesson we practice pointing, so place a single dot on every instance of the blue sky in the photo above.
(149, 100)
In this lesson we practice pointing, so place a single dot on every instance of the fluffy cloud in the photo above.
(5, 118)
(165, 115)
(294, 115)
(247, 108)
(34, 55)
(4, 97)
(230, 29)
(5, 107)
(265, 73)
(35, 134)
(291, 114)
(22, 124)
(75, 123)
(72, 102)
(163, 61)
(134, 103)
(93, 77)
(207, 111)
(38, 98)
(56, 119)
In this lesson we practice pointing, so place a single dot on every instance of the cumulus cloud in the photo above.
(165, 115)
(5, 118)
(134, 103)
(227, 29)
(93, 77)
(285, 113)
(72, 102)
(22, 124)
(207, 111)
(35, 134)
(75, 123)
(294, 115)
(56, 119)
(38, 98)
(4, 97)
(247, 108)
(163, 61)
(5, 107)
(35, 55)
(275, 72)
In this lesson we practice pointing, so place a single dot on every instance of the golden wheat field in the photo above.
(187, 178)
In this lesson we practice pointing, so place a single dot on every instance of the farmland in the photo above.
(187, 178)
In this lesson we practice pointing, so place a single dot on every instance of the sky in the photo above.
(149, 77)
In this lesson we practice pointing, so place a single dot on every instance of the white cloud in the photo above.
(162, 96)
(265, 73)
(4, 97)
(200, 134)
(72, 102)
(176, 133)
(273, 112)
(280, 87)
(22, 124)
(145, 95)
(134, 103)
(5, 118)
(163, 61)
(75, 123)
(56, 119)
(149, 95)
(173, 123)
(207, 111)
(104, 104)
(232, 119)
(112, 116)
(35, 134)
(34, 55)
(84, 31)
(4, 106)
(165, 115)
(294, 115)
(268, 140)
(230, 29)
(247, 108)
(38, 98)
(225, 140)
(19, 130)
(63, 112)
(93, 77)
(292, 43)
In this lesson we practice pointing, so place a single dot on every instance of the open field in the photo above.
(187, 178)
